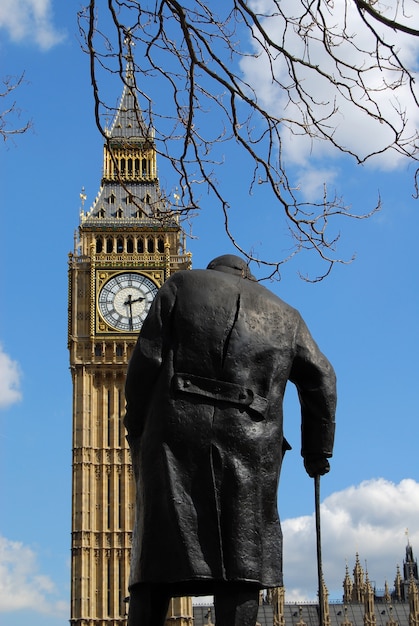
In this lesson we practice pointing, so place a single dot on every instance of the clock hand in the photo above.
(128, 303)
(137, 300)
(131, 301)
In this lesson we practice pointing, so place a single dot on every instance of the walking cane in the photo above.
(319, 548)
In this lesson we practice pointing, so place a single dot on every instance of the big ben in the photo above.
(127, 245)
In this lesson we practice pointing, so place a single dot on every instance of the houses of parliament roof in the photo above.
(361, 605)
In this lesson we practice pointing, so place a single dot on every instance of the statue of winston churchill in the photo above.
(204, 393)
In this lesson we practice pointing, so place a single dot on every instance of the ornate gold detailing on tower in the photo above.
(130, 163)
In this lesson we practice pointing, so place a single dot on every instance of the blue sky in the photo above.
(364, 317)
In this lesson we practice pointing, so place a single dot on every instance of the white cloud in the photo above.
(30, 20)
(370, 519)
(312, 180)
(351, 127)
(22, 586)
(9, 380)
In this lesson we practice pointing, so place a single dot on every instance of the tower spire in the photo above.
(398, 585)
(358, 588)
(347, 586)
(369, 608)
(129, 122)
(410, 565)
(130, 186)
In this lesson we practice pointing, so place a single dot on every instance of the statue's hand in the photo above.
(316, 465)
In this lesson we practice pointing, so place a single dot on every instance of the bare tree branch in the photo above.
(8, 127)
(395, 25)
(319, 59)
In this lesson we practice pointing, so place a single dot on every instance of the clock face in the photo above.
(125, 299)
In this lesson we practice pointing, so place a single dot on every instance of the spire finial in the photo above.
(128, 42)
(82, 197)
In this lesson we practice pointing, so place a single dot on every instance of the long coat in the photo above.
(204, 392)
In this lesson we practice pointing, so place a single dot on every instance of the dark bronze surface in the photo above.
(204, 392)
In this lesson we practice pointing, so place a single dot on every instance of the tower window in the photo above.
(99, 244)
(109, 244)
(140, 245)
(98, 349)
(112, 198)
(160, 244)
(130, 246)
(119, 350)
(150, 245)
(119, 244)
(119, 213)
(101, 212)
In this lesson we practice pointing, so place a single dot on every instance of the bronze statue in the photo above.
(204, 392)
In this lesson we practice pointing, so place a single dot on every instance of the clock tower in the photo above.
(127, 245)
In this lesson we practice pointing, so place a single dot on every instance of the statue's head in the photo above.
(231, 264)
